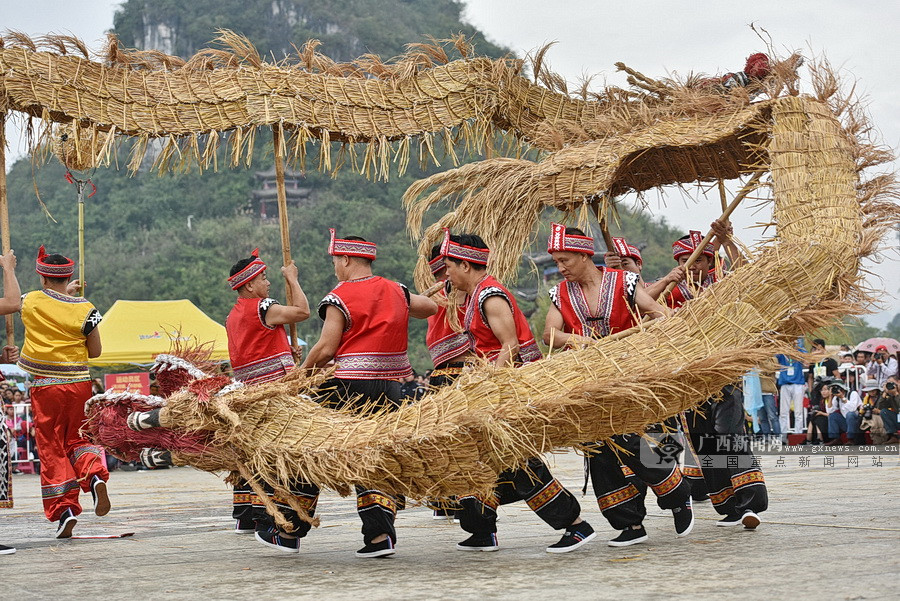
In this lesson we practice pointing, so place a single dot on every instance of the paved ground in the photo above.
(830, 533)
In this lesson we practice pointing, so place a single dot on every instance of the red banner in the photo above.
(132, 382)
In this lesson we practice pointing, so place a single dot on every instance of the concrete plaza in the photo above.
(830, 533)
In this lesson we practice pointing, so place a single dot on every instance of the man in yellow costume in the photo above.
(60, 335)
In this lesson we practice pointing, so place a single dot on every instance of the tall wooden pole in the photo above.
(597, 207)
(5, 242)
(79, 186)
(722, 198)
(278, 141)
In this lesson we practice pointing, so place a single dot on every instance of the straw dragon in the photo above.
(456, 440)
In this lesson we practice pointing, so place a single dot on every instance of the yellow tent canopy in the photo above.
(135, 331)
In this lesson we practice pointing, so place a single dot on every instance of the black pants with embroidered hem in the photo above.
(533, 484)
(620, 498)
(247, 506)
(376, 509)
(691, 467)
(444, 375)
(717, 431)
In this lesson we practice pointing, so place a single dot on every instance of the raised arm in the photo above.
(298, 310)
(11, 301)
(613, 260)
(723, 231)
(655, 289)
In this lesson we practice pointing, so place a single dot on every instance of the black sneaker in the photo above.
(67, 523)
(574, 537)
(273, 538)
(750, 520)
(382, 549)
(4, 550)
(629, 536)
(244, 526)
(684, 519)
(101, 497)
(480, 542)
(732, 519)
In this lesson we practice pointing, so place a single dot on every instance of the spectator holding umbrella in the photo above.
(882, 366)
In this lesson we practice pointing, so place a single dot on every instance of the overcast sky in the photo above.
(653, 36)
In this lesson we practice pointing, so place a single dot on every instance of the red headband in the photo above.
(351, 248)
(623, 249)
(454, 250)
(686, 247)
(560, 241)
(436, 264)
(249, 272)
(53, 271)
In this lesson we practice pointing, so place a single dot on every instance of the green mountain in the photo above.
(347, 28)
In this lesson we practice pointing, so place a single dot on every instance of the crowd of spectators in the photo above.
(17, 414)
(838, 398)
(415, 386)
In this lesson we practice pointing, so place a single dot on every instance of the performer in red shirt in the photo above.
(499, 332)
(592, 303)
(717, 429)
(628, 257)
(60, 336)
(624, 256)
(448, 345)
(447, 342)
(365, 333)
(259, 351)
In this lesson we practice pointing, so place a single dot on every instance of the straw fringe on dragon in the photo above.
(588, 150)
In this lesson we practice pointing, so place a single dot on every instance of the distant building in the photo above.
(264, 199)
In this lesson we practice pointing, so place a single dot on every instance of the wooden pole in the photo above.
(722, 197)
(719, 267)
(601, 220)
(278, 142)
(79, 185)
(5, 241)
(434, 289)
(749, 187)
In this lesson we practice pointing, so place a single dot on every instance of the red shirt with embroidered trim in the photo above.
(444, 343)
(483, 340)
(258, 352)
(681, 293)
(614, 310)
(373, 345)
